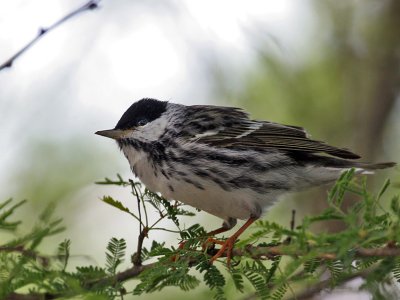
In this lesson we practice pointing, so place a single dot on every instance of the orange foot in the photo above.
(180, 247)
(225, 246)
(211, 240)
(229, 243)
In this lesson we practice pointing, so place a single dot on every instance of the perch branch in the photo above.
(326, 284)
(252, 251)
(282, 250)
(28, 253)
(90, 5)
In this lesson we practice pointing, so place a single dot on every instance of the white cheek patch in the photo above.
(151, 131)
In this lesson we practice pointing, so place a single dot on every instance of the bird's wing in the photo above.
(227, 127)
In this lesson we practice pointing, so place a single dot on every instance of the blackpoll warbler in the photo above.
(218, 160)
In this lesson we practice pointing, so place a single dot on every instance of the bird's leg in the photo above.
(230, 242)
(227, 225)
(211, 240)
(208, 234)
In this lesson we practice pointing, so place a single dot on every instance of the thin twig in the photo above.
(31, 296)
(162, 217)
(145, 210)
(317, 288)
(121, 276)
(135, 193)
(165, 229)
(258, 252)
(293, 220)
(137, 257)
(90, 5)
(28, 253)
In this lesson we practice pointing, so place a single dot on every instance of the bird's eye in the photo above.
(142, 122)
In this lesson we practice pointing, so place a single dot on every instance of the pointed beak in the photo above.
(112, 133)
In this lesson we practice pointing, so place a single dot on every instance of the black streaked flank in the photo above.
(146, 109)
(221, 183)
(196, 184)
(164, 173)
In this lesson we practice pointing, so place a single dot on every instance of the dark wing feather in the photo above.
(230, 127)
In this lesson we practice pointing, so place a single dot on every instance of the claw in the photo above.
(230, 243)
(180, 247)
(226, 246)
(211, 240)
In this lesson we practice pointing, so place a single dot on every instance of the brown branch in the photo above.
(28, 253)
(258, 253)
(249, 250)
(317, 288)
(137, 257)
(118, 278)
(121, 276)
(267, 252)
(32, 296)
(283, 250)
(92, 4)
(293, 219)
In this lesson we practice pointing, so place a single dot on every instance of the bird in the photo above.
(219, 160)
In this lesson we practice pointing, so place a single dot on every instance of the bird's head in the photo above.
(144, 121)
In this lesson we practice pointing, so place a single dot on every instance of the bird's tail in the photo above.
(340, 163)
(361, 167)
(325, 169)
(373, 166)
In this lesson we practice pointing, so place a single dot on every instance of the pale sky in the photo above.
(95, 65)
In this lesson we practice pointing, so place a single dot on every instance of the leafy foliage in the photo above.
(115, 254)
(273, 260)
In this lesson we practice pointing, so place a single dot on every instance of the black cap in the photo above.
(146, 109)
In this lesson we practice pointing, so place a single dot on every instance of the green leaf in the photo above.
(117, 204)
(279, 292)
(164, 275)
(394, 205)
(4, 224)
(384, 188)
(237, 278)
(115, 254)
(64, 252)
(120, 181)
(258, 282)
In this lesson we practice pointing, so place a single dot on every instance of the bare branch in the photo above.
(32, 296)
(137, 257)
(122, 276)
(283, 250)
(92, 4)
(317, 288)
(28, 253)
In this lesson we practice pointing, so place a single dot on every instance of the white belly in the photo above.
(238, 204)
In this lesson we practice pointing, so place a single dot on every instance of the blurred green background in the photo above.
(332, 67)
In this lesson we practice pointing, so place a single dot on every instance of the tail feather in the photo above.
(340, 163)
(324, 169)
(376, 166)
